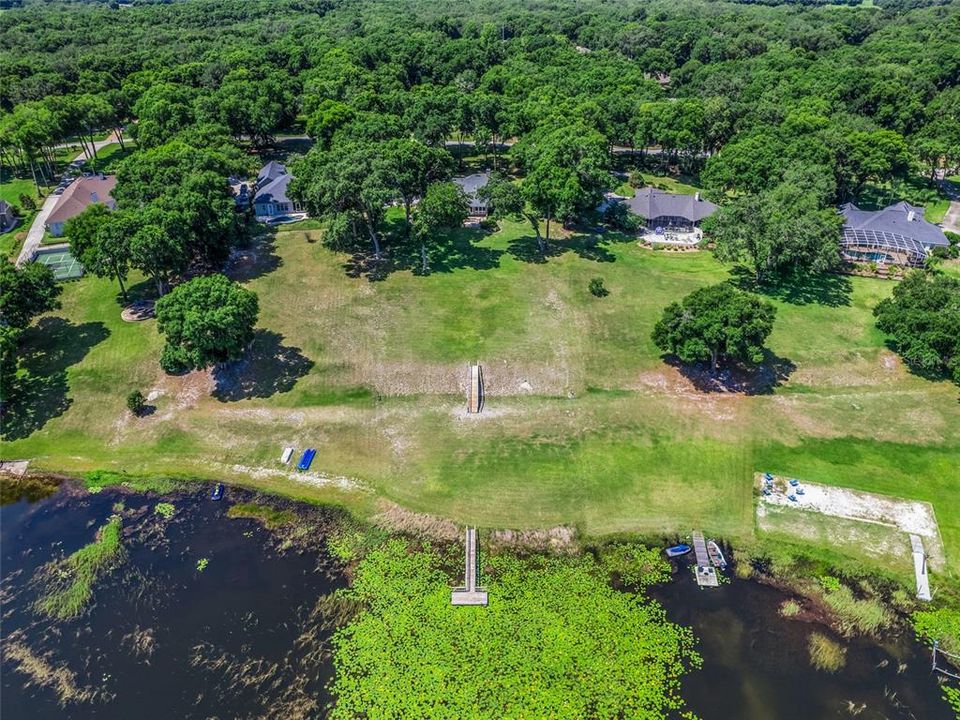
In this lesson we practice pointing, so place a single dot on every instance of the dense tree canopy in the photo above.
(923, 321)
(715, 323)
(205, 321)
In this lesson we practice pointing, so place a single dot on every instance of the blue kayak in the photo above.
(217, 492)
(306, 459)
(678, 550)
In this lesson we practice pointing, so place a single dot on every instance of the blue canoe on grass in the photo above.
(678, 550)
(306, 459)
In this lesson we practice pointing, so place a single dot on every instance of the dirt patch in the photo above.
(315, 479)
(556, 539)
(395, 518)
(670, 382)
(138, 311)
(906, 516)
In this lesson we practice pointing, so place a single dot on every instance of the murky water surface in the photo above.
(247, 637)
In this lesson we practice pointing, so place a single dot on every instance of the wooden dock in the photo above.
(475, 402)
(706, 575)
(920, 568)
(470, 593)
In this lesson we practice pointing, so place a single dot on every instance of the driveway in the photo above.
(35, 234)
(951, 221)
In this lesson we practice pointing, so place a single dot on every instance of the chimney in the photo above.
(94, 197)
(910, 216)
(697, 196)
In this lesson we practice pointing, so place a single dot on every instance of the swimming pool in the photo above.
(872, 256)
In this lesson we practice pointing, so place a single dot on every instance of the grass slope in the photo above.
(584, 423)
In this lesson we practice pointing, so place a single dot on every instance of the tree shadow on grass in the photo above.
(829, 289)
(585, 245)
(457, 251)
(40, 392)
(761, 379)
(269, 367)
(256, 259)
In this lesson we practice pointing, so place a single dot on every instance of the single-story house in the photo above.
(8, 217)
(80, 194)
(270, 199)
(471, 184)
(897, 235)
(666, 210)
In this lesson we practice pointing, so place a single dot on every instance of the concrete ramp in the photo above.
(920, 568)
(475, 401)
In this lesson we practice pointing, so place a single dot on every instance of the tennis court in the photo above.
(64, 265)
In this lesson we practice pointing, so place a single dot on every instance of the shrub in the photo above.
(27, 202)
(826, 654)
(165, 509)
(136, 402)
(789, 608)
(597, 288)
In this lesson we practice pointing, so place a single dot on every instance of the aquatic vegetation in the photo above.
(43, 671)
(202, 564)
(70, 581)
(826, 654)
(868, 616)
(790, 608)
(942, 624)
(165, 510)
(556, 641)
(270, 517)
(636, 565)
(108, 478)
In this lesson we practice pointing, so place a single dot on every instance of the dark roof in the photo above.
(898, 220)
(472, 183)
(651, 203)
(273, 191)
(271, 171)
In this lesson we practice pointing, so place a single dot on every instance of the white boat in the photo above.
(287, 454)
(716, 556)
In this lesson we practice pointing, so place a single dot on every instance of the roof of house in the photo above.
(652, 203)
(274, 191)
(271, 171)
(471, 184)
(81, 193)
(901, 218)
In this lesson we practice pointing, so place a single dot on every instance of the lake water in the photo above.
(163, 639)
(247, 637)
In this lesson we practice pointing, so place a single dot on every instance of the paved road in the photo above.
(35, 234)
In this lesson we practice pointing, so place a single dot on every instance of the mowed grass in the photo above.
(584, 424)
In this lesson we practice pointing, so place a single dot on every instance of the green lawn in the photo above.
(584, 423)
(682, 184)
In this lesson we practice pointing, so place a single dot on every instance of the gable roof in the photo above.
(651, 203)
(471, 184)
(895, 220)
(271, 171)
(274, 191)
(81, 193)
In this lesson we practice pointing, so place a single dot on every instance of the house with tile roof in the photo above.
(80, 194)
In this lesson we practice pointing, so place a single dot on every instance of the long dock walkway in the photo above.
(706, 575)
(920, 568)
(470, 594)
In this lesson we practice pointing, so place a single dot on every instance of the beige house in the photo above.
(78, 196)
